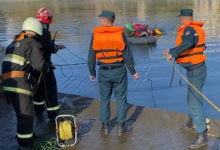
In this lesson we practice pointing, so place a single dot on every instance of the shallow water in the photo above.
(74, 20)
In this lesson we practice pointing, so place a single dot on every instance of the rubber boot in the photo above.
(200, 140)
(105, 128)
(28, 147)
(39, 117)
(123, 128)
(189, 125)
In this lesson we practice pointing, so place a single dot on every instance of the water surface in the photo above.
(74, 21)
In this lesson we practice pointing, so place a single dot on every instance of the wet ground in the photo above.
(74, 21)
(153, 129)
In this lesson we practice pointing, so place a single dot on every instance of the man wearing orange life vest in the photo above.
(109, 47)
(190, 44)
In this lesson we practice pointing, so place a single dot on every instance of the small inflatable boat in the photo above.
(142, 40)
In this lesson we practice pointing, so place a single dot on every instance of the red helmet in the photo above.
(44, 15)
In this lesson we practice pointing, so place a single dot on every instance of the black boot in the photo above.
(200, 140)
(105, 128)
(189, 125)
(25, 148)
(123, 128)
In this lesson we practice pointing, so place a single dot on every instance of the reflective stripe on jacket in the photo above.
(16, 63)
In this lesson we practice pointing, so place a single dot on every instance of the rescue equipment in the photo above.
(142, 40)
(108, 43)
(44, 15)
(194, 55)
(140, 33)
(129, 26)
(158, 31)
(31, 24)
(199, 92)
(66, 130)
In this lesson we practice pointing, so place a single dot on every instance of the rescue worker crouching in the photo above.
(21, 56)
(190, 44)
(47, 90)
(109, 46)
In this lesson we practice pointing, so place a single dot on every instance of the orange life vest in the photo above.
(109, 44)
(194, 55)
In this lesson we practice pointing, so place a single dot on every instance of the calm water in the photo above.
(74, 20)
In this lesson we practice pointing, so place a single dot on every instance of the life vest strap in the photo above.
(12, 74)
(107, 50)
(181, 56)
(111, 57)
(201, 45)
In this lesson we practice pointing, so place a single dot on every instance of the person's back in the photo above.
(109, 47)
(190, 44)
(21, 56)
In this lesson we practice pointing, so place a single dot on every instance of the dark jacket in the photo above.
(23, 55)
(48, 45)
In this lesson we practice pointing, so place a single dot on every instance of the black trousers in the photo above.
(47, 93)
(23, 107)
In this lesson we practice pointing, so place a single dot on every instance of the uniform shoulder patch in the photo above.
(187, 33)
(17, 44)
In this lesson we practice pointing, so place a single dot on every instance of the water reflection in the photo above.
(74, 20)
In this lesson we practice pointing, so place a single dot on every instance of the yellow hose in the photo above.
(65, 130)
(190, 84)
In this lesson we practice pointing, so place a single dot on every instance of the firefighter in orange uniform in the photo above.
(109, 47)
(190, 44)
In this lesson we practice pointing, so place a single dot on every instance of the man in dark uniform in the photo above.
(190, 44)
(23, 55)
(47, 89)
(109, 46)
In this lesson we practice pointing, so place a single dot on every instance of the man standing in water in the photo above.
(190, 44)
(109, 46)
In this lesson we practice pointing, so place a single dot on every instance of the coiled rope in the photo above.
(65, 130)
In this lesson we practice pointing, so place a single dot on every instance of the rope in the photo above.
(65, 130)
(72, 53)
(69, 65)
(190, 84)
(42, 144)
(172, 76)
(152, 92)
(71, 74)
(41, 77)
(60, 65)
